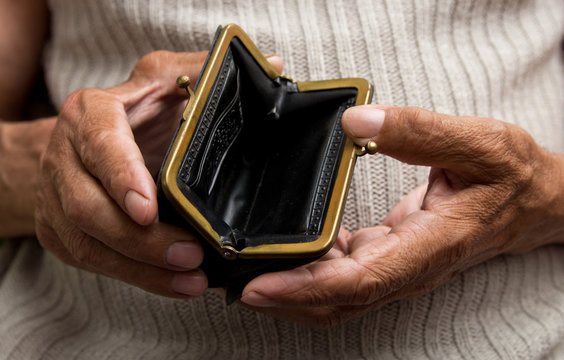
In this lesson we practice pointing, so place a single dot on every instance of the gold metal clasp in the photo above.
(286, 77)
(183, 82)
(370, 148)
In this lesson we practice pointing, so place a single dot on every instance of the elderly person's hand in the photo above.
(96, 200)
(492, 190)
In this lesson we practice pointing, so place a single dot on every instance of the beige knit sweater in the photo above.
(494, 58)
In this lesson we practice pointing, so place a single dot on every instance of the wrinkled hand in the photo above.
(491, 190)
(96, 200)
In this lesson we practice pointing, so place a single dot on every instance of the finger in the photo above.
(472, 146)
(158, 70)
(156, 73)
(45, 233)
(87, 206)
(94, 256)
(371, 236)
(340, 247)
(412, 202)
(421, 248)
(97, 127)
(276, 62)
(78, 249)
(341, 243)
(325, 283)
(339, 281)
(322, 317)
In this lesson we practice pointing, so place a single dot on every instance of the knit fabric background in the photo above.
(492, 58)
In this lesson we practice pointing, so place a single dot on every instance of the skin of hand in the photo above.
(21, 147)
(96, 199)
(24, 26)
(23, 29)
(492, 190)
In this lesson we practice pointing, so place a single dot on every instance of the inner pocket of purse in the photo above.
(263, 158)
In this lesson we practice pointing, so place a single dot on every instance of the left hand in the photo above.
(492, 190)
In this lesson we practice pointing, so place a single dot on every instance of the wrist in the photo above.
(21, 146)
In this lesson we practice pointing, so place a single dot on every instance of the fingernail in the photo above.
(137, 206)
(364, 121)
(275, 60)
(192, 283)
(255, 299)
(184, 254)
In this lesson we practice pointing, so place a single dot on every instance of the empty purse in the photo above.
(259, 167)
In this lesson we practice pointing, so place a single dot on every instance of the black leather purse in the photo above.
(259, 166)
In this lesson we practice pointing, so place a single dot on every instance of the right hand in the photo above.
(96, 200)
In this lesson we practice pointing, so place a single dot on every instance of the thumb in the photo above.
(467, 145)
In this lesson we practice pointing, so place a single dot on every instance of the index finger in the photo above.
(102, 138)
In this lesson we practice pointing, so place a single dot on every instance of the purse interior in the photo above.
(262, 161)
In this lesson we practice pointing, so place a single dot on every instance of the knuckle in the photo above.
(407, 115)
(508, 147)
(364, 233)
(151, 61)
(76, 101)
(155, 57)
(130, 245)
(421, 127)
(493, 140)
(82, 109)
(75, 206)
(412, 116)
(523, 148)
(49, 161)
(82, 249)
(71, 103)
(415, 112)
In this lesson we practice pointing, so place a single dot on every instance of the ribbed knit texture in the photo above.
(494, 58)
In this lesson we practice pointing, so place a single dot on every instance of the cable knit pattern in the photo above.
(494, 58)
